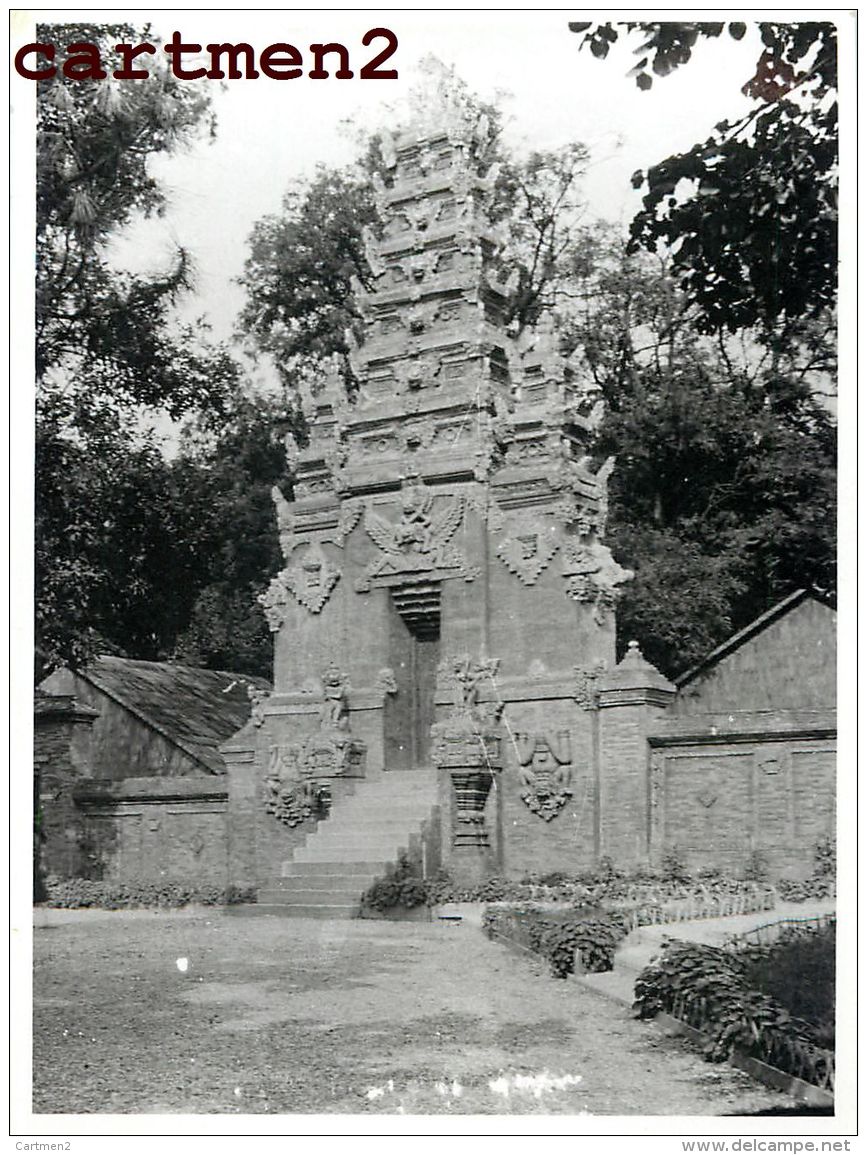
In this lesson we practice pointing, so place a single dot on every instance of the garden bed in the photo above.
(734, 997)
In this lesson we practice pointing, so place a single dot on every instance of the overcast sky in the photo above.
(271, 132)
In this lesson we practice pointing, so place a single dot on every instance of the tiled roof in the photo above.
(744, 635)
(195, 709)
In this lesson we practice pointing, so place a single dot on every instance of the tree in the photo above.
(107, 354)
(222, 482)
(749, 216)
(723, 496)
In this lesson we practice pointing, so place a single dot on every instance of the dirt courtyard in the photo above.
(197, 1011)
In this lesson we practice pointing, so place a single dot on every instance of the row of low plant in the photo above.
(605, 884)
(714, 990)
(109, 895)
(594, 928)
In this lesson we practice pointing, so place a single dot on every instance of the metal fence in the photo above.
(699, 906)
(794, 1056)
(770, 932)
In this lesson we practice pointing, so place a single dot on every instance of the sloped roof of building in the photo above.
(737, 640)
(193, 708)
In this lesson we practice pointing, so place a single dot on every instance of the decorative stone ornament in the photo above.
(421, 539)
(528, 548)
(310, 580)
(467, 744)
(592, 575)
(586, 690)
(545, 771)
(291, 802)
(471, 790)
(386, 683)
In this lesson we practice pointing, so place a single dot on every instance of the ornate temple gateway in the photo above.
(445, 685)
(445, 612)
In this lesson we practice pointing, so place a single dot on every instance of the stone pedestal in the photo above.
(466, 747)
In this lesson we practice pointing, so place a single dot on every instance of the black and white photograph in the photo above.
(425, 448)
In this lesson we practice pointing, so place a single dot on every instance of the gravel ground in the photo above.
(288, 1016)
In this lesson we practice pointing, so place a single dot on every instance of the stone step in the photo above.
(382, 801)
(376, 867)
(321, 880)
(311, 897)
(340, 839)
(382, 812)
(342, 858)
(342, 897)
(290, 910)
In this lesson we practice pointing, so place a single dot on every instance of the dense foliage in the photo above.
(799, 971)
(750, 214)
(725, 485)
(108, 354)
(709, 987)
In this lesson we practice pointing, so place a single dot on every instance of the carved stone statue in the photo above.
(335, 708)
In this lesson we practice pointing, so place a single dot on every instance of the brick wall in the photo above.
(721, 798)
(151, 829)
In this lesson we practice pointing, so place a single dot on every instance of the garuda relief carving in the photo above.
(309, 580)
(528, 548)
(545, 771)
(420, 541)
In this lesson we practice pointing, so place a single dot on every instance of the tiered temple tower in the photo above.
(446, 606)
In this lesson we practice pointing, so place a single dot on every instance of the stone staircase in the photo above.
(358, 842)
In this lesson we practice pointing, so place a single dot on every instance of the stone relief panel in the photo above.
(420, 540)
(309, 580)
(528, 547)
(545, 771)
(386, 683)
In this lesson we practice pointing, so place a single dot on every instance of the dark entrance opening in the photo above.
(415, 654)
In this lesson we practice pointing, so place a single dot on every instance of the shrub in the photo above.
(708, 988)
(400, 888)
(558, 938)
(674, 867)
(792, 890)
(163, 894)
(798, 971)
(593, 939)
(756, 869)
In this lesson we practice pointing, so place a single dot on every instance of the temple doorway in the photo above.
(414, 648)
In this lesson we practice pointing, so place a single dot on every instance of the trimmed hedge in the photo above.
(85, 892)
